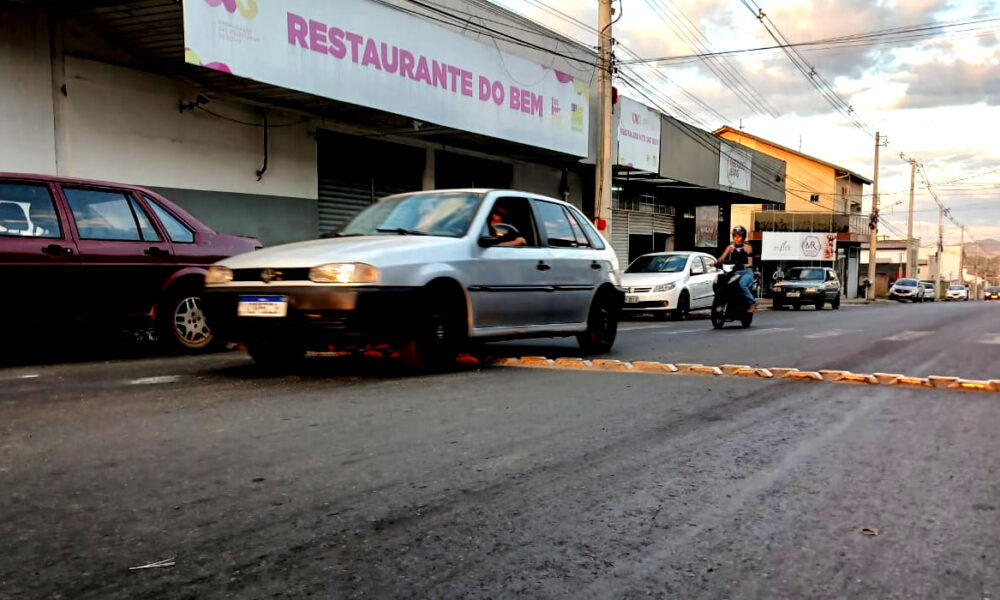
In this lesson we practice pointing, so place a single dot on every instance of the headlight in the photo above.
(813, 290)
(344, 273)
(665, 287)
(218, 275)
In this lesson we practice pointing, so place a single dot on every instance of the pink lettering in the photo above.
(484, 88)
(317, 36)
(423, 73)
(371, 55)
(405, 64)
(537, 101)
(454, 72)
(439, 74)
(296, 30)
(498, 93)
(337, 49)
(515, 98)
(466, 83)
(390, 65)
(355, 40)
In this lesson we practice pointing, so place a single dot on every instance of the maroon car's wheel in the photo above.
(181, 323)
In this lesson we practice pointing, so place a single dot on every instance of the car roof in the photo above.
(487, 191)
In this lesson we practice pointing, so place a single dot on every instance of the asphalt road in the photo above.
(349, 479)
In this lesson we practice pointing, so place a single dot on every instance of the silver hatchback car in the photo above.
(426, 272)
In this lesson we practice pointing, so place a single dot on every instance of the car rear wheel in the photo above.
(602, 325)
(683, 309)
(181, 323)
(440, 331)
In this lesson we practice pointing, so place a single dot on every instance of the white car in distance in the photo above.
(669, 283)
(957, 293)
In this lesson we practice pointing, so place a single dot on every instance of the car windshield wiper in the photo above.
(401, 231)
(337, 234)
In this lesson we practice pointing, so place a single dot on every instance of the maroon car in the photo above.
(77, 249)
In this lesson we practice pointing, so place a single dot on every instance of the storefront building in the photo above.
(282, 119)
(674, 184)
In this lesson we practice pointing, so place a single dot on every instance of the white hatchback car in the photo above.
(957, 293)
(669, 283)
(426, 272)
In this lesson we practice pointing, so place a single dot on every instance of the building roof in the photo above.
(727, 129)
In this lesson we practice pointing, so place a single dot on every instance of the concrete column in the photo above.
(429, 170)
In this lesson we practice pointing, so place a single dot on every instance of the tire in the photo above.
(746, 320)
(663, 315)
(777, 306)
(683, 310)
(181, 324)
(440, 332)
(718, 315)
(819, 304)
(835, 304)
(602, 324)
(276, 355)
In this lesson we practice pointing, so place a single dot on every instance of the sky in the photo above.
(936, 97)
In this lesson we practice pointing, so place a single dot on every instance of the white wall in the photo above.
(124, 125)
(26, 118)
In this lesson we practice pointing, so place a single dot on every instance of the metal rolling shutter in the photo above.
(663, 224)
(619, 236)
(640, 223)
(339, 200)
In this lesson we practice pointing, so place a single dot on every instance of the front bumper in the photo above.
(650, 301)
(318, 316)
(805, 296)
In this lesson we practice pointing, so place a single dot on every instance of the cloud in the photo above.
(954, 83)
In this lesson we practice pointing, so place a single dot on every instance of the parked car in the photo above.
(78, 249)
(907, 289)
(807, 285)
(669, 283)
(956, 293)
(992, 293)
(930, 294)
(427, 273)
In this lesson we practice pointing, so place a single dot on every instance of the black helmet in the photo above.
(740, 230)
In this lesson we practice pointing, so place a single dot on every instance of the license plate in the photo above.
(631, 299)
(262, 306)
(793, 294)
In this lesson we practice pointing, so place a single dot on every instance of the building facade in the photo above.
(820, 198)
(280, 120)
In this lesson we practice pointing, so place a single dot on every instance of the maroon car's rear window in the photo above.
(26, 209)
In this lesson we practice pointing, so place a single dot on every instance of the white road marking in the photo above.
(13, 377)
(831, 333)
(991, 338)
(906, 336)
(679, 331)
(155, 380)
(771, 329)
(641, 327)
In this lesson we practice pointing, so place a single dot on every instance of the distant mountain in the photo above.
(988, 247)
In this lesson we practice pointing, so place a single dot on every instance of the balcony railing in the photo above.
(810, 221)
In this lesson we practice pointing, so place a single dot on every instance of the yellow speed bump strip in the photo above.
(727, 370)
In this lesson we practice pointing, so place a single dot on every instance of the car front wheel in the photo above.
(181, 323)
(602, 325)
(440, 332)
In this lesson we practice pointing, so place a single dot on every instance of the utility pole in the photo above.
(940, 248)
(911, 246)
(602, 202)
(873, 226)
(961, 258)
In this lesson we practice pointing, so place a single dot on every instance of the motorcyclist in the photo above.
(741, 254)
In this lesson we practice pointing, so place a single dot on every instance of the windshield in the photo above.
(652, 263)
(805, 274)
(956, 288)
(907, 282)
(993, 290)
(447, 214)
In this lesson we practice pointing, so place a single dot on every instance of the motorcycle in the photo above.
(730, 304)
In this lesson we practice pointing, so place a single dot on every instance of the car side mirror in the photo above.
(488, 241)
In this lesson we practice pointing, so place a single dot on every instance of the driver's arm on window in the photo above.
(518, 241)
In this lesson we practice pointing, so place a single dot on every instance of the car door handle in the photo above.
(154, 251)
(541, 266)
(56, 250)
(595, 265)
